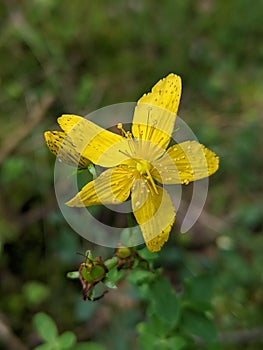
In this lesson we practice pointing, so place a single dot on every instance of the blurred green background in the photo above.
(76, 56)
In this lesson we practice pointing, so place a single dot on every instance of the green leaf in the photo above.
(165, 302)
(199, 290)
(155, 326)
(138, 277)
(109, 283)
(151, 339)
(66, 340)
(89, 346)
(45, 326)
(147, 255)
(176, 343)
(46, 346)
(197, 324)
(146, 336)
(114, 275)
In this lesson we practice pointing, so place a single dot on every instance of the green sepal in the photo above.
(73, 275)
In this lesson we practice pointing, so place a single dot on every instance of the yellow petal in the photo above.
(166, 93)
(111, 187)
(154, 213)
(101, 146)
(155, 113)
(63, 147)
(68, 121)
(185, 162)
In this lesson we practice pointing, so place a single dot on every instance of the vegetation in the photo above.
(75, 57)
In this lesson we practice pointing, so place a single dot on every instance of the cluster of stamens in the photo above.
(140, 168)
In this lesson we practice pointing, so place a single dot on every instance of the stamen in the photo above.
(151, 181)
(125, 153)
(149, 176)
(149, 109)
(128, 136)
(120, 127)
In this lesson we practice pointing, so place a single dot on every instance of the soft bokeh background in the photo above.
(77, 56)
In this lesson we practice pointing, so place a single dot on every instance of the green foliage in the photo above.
(46, 327)
(48, 331)
(175, 320)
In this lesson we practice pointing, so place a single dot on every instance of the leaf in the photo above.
(45, 326)
(198, 292)
(147, 255)
(146, 336)
(176, 343)
(89, 346)
(66, 340)
(165, 302)
(138, 277)
(114, 275)
(46, 346)
(150, 340)
(109, 283)
(197, 324)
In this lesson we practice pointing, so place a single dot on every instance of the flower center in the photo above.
(144, 169)
(143, 166)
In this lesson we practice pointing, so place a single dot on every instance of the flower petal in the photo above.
(185, 162)
(68, 121)
(154, 213)
(101, 146)
(62, 146)
(155, 113)
(111, 187)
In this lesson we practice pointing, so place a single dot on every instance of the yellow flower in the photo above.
(140, 162)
